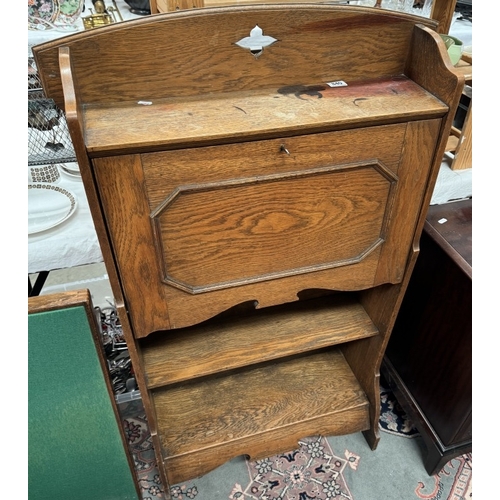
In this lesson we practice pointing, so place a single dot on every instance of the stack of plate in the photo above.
(48, 206)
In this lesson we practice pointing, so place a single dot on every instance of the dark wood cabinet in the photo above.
(428, 361)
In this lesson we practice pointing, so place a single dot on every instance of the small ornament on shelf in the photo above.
(102, 16)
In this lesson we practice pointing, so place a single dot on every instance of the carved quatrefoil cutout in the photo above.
(256, 41)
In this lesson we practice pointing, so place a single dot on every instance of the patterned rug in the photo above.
(392, 417)
(312, 471)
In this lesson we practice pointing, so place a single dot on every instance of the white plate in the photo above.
(48, 206)
(71, 169)
(67, 172)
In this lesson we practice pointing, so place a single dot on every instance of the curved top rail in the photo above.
(214, 50)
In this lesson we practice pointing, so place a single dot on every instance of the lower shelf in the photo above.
(257, 412)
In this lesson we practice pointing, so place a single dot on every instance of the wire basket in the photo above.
(49, 141)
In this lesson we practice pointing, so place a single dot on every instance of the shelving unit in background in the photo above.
(460, 141)
(442, 10)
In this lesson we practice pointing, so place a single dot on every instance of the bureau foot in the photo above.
(372, 437)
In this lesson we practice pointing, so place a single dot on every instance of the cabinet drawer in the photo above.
(258, 221)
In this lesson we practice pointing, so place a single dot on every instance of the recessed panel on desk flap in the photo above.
(241, 231)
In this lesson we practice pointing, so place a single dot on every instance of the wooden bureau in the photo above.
(259, 178)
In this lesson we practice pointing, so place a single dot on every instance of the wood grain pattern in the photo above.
(154, 305)
(281, 440)
(217, 218)
(464, 67)
(322, 219)
(134, 242)
(42, 303)
(442, 11)
(280, 111)
(165, 171)
(311, 395)
(431, 69)
(229, 343)
(202, 37)
(420, 142)
(383, 302)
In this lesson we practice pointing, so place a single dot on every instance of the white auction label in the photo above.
(338, 83)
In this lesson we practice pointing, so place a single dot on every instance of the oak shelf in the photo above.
(254, 114)
(227, 412)
(243, 340)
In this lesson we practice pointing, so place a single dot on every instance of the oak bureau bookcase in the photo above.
(259, 178)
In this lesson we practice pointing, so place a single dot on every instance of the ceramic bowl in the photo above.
(139, 7)
(454, 47)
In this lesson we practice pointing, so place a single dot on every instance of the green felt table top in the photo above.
(75, 447)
